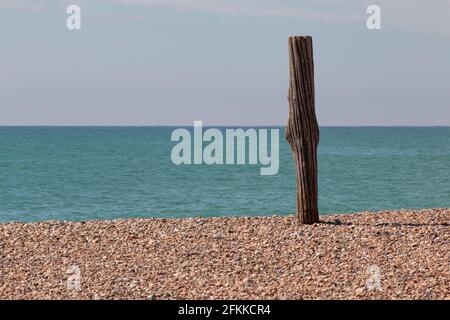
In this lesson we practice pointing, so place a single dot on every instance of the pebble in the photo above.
(402, 254)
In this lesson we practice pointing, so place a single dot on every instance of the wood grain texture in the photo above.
(302, 130)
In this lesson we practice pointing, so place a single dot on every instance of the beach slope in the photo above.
(386, 255)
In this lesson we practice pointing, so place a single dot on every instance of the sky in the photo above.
(225, 62)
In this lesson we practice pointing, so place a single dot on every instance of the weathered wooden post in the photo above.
(302, 130)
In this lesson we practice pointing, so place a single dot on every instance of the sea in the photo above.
(85, 173)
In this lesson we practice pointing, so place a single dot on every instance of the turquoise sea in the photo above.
(81, 173)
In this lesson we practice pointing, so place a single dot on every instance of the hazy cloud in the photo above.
(405, 14)
(262, 8)
(19, 5)
(418, 15)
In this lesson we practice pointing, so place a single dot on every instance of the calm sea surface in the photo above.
(80, 173)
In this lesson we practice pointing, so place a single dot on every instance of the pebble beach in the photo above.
(401, 254)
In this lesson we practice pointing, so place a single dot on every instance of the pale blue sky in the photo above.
(146, 62)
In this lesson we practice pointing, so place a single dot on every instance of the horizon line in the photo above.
(212, 125)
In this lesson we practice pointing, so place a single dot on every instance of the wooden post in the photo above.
(302, 130)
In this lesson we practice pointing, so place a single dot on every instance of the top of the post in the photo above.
(294, 39)
(299, 37)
